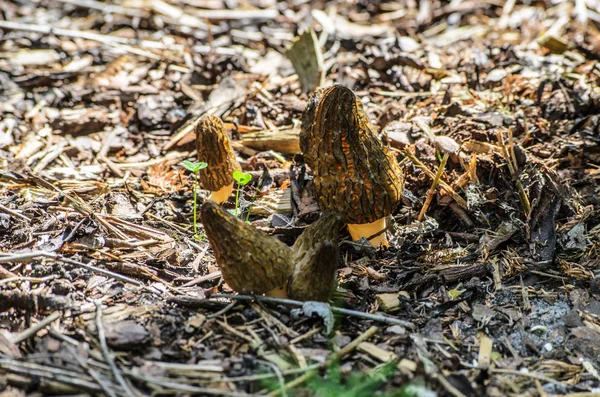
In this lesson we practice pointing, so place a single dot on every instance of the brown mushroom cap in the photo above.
(251, 261)
(315, 255)
(215, 149)
(354, 174)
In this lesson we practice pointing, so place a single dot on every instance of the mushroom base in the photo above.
(358, 231)
(278, 292)
(221, 195)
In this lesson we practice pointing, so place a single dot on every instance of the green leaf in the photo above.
(241, 177)
(455, 293)
(193, 166)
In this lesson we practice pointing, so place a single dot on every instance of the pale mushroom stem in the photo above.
(357, 231)
(221, 195)
(278, 292)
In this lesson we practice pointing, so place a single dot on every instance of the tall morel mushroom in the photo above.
(253, 262)
(214, 149)
(354, 174)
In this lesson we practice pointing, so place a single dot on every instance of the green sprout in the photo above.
(194, 168)
(242, 179)
(333, 383)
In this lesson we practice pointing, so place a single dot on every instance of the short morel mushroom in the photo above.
(355, 175)
(253, 262)
(214, 149)
(315, 257)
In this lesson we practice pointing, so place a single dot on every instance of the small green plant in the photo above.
(194, 168)
(355, 384)
(242, 179)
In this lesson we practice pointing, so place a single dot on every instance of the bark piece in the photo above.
(307, 59)
(283, 141)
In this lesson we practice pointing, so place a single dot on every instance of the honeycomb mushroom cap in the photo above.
(215, 149)
(315, 255)
(251, 261)
(354, 174)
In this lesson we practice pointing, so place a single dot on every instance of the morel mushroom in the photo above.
(253, 262)
(354, 174)
(315, 255)
(214, 149)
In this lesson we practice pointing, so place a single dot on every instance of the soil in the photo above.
(489, 286)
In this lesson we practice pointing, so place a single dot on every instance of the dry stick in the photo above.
(33, 371)
(107, 355)
(531, 375)
(433, 187)
(35, 254)
(277, 372)
(48, 30)
(185, 388)
(448, 386)
(333, 357)
(14, 213)
(32, 280)
(91, 372)
(108, 8)
(512, 167)
(459, 200)
(78, 204)
(581, 394)
(7, 275)
(31, 331)
(336, 310)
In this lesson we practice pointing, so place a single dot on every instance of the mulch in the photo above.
(489, 286)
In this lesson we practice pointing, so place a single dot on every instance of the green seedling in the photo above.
(333, 383)
(242, 179)
(194, 168)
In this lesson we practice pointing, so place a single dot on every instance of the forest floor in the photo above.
(105, 291)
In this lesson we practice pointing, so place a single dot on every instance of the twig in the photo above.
(186, 388)
(31, 331)
(199, 280)
(448, 386)
(336, 310)
(279, 375)
(7, 275)
(434, 185)
(531, 375)
(333, 357)
(33, 370)
(92, 372)
(49, 30)
(459, 200)
(14, 213)
(222, 311)
(107, 8)
(237, 333)
(509, 156)
(35, 254)
(106, 353)
(236, 14)
(32, 280)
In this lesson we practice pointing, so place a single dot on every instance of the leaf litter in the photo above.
(104, 289)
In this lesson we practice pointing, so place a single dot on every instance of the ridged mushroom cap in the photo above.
(354, 174)
(215, 149)
(251, 261)
(315, 256)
